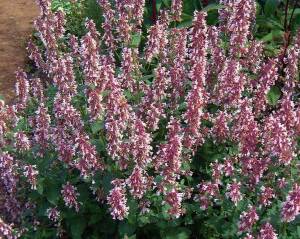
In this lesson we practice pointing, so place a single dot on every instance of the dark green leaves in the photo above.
(273, 95)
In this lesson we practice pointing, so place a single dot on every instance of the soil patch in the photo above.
(16, 25)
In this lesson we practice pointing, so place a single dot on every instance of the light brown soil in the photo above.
(16, 24)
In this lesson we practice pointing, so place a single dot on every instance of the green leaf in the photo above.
(270, 7)
(77, 225)
(273, 95)
(126, 229)
(177, 233)
(135, 40)
(211, 7)
(97, 126)
(52, 192)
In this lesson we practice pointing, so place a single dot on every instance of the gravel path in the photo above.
(16, 23)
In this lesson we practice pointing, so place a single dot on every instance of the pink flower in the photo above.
(168, 160)
(117, 201)
(248, 219)
(22, 141)
(174, 199)
(89, 160)
(267, 232)
(37, 89)
(69, 193)
(176, 9)
(196, 98)
(239, 22)
(42, 127)
(277, 141)
(95, 106)
(291, 69)
(6, 231)
(30, 172)
(22, 87)
(157, 41)
(153, 105)
(267, 193)
(233, 192)
(137, 182)
(268, 76)
(53, 214)
(140, 144)
(291, 207)
(231, 84)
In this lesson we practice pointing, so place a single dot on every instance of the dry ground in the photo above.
(16, 24)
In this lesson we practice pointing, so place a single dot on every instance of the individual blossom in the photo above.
(217, 55)
(116, 121)
(64, 77)
(252, 60)
(248, 236)
(254, 167)
(89, 160)
(129, 67)
(267, 193)
(287, 113)
(196, 98)
(137, 182)
(177, 60)
(45, 6)
(247, 219)
(267, 232)
(239, 24)
(70, 194)
(156, 42)
(207, 192)
(228, 167)
(277, 141)
(53, 214)
(108, 24)
(153, 105)
(22, 87)
(117, 201)
(220, 130)
(73, 43)
(36, 56)
(31, 173)
(95, 107)
(246, 129)
(168, 160)
(22, 141)
(139, 6)
(231, 84)
(6, 231)
(89, 53)
(42, 127)
(281, 182)
(140, 144)
(291, 69)
(291, 207)
(174, 200)
(267, 78)
(217, 171)
(225, 13)
(234, 192)
(37, 89)
(124, 25)
(176, 10)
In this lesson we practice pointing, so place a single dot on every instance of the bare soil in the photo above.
(16, 25)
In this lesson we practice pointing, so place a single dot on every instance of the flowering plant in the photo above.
(192, 131)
